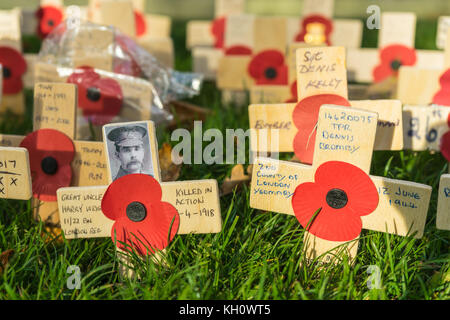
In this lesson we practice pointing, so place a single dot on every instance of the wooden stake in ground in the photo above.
(335, 197)
(56, 158)
(137, 211)
(443, 208)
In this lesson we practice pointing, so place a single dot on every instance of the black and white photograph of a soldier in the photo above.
(129, 149)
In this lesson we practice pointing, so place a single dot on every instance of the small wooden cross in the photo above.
(346, 135)
(15, 175)
(320, 70)
(443, 208)
(197, 201)
(55, 107)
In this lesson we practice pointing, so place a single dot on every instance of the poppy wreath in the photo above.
(100, 99)
(268, 68)
(315, 19)
(331, 207)
(51, 153)
(142, 221)
(294, 95)
(392, 57)
(141, 25)
(305, 117)
(13, 66)
(49, 17)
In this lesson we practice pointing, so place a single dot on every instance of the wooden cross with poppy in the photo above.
(13, 63)
(139, 212)
(321, 79)
(338, 141)
(443, 208)
(49, 15)
(56, 158)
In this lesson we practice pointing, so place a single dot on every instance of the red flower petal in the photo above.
(395, 53)
(46, 143)
(329, 223)
(14, 66)
(327, 23)
(141, 25)
(263, 60)
(218, 31)
(305, 118)
(115, 200)
(445, 145)
(49, 18)
(442, 97)
(239, 50)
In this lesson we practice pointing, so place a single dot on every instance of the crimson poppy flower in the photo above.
(218, 31)
(305, 117)
(331, 207)
(49, 17)
(268, 67)
(13, 66)
(321, 35)
(100, 98)
(141, 25)
(294, 97)
(142, 220)
(442, 97)
(445, 145)
(51, 153)
(238, 50)
(392, 57)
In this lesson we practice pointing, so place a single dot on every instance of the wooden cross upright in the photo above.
(443, 208)
(197, 201)
(320, 70)
(55, 106)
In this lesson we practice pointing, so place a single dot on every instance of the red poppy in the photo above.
(268, 67)
(218, 31)
(445, 145)
(238, 50)
(142, 220)
(51, 153)
(100, 98)
(49, 17)
(442, 97)
(311, 36)
(392, 57)
(141, 25)
(331, 207)
(305, 118)
(13, 66)
(294, 97)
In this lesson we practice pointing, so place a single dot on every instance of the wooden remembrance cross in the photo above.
(55, 107)
(196, 201)
(347, 135)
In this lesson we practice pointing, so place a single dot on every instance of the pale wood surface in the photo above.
(229, 7)
(397, 28)
(270, 33)
(347, 33)
(158, 26)
(443, 208)
(15, 175)
(232, 73)
(417, 86)
(198, 33)
(321, 7)
(89, 165)
(240, 30)
(206, 61)
(441, 37)
(14, 103)
(118, 13)
(10, 140)
(269, 94)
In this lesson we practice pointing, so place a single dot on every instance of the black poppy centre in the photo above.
(270, 73)
(396, 64)
(6, 72)
(49, 165)
(93, 94)
(50, 23)
(336, 198)
(136, 211)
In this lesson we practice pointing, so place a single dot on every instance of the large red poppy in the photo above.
(142, 220)
(49, 17)
(331, 207)
(51, 153)
(13, 66)
(392, 57)
(141, 25)
(305, 116)
(268, 67)
(100, 98)
(218, 31)
(442, 97)
(305, 34)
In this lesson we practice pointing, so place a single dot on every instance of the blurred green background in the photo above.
(204, 9)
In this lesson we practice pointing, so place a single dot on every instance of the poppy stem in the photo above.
(312, 219)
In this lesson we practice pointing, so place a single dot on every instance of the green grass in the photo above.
(256, 256)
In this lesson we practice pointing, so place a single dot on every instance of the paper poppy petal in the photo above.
(15, 65)
(238, 50)
(360, 189)
(305, 116)
(115, 200)
(263, 60)
(45, 186)
(218, 31)
(396, 52)
(381, 72)
(442, 97)
(141, 25)
(49, 18)
(445, 145)
(12, 85)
